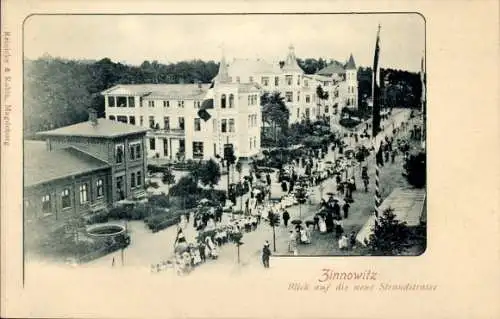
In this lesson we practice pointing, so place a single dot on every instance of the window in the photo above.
(181, 123)
(289, 96)
(250, 142)
(166, 103)
(111, 101)
(231, 125)
(307, 113)
(119, 153)
(276, 81)
(180, 104)
(131, 120)
(326, 109)
(223, 127)
(250, 79)
(298, 96)
(151, 103)
(135, 150)
(65, 199)
(254, 142)
(197, 125)
(223, 101)
(84, 194)
(298, 80)
(99, 188)
(306, 83)
(197, 104)
(166, 123)
(140, 101)
(131, 101)
(165, 147)
(46, 207)
(152, 144)
(265, 81)
(132, 180)
(112, 117)
(121, 101)
(231, 100)
(238, 79)
(289, 79)
(182, 146)
(308, 99)
(121, 118)
(141, 120)
(197, 149)
(298, 113)
(139, 178)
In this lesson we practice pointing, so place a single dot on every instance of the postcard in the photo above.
(250, 160)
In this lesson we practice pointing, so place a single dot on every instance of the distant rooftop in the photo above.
(173, 91)
(41, 166)
(333, 68)
(104, 128)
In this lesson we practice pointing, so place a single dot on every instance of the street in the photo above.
(149, 248)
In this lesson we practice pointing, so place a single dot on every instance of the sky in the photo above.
(131, 39)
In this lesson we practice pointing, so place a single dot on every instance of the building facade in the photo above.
(299, 89)
(175, 131)
(83, 168)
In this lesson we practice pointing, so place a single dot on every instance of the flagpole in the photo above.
(376, 125)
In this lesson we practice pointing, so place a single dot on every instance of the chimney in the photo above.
(93, 117)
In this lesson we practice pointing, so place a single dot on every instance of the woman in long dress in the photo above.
(322, 225)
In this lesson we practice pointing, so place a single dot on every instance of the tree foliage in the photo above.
(58, 92)
(274, 112)
(168, 177)
(415, 168)
(185, 186)
(209, 173)
(390, 236)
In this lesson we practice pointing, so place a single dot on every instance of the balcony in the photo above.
(169, 132)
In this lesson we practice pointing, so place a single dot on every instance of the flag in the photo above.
(376, 87)
(207, 103)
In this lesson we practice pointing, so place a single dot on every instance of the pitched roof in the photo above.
(41, 166)
(173, 91)
(104, 128)
(251, 67)
(333, 68)
(351, 65)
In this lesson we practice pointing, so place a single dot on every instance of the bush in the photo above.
(157, 222)
(416, 170)
(96, 218)
(159, 200)
(348, 122)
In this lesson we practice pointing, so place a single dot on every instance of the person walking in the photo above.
(286, 217)
(393, 155)
(266, 253)
(345, 208)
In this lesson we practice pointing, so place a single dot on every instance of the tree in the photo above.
(322, 95)
(390, 236)
(275, 112)
(168, 179)
(415, 170)
(239, 168)
(209, 173)
(237, 240)
(184, 187)
(273, 222)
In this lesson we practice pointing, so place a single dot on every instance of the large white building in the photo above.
(300, 89)
(170, 111)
